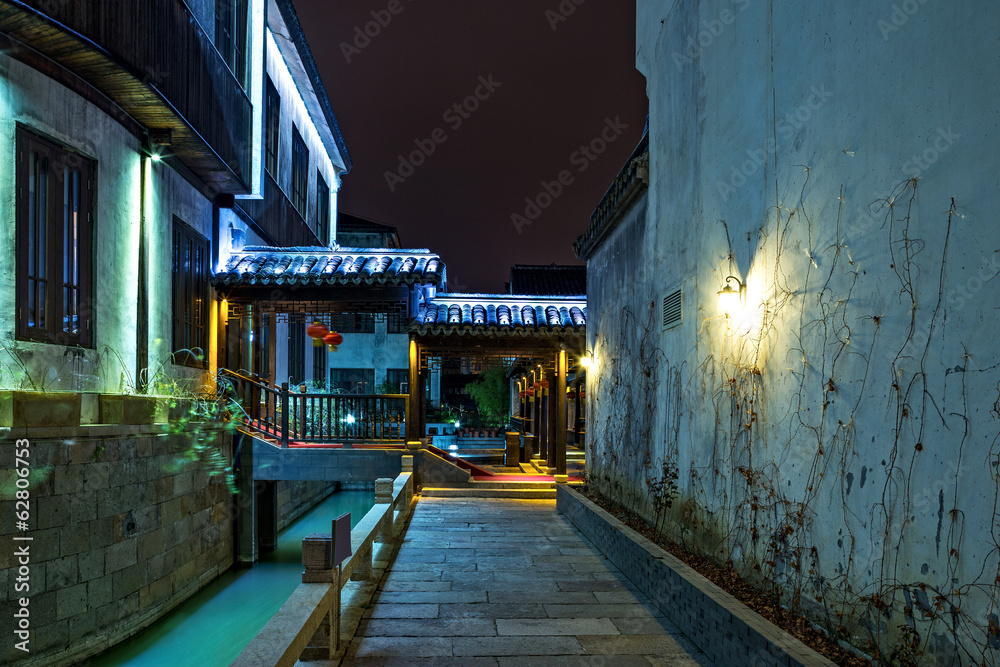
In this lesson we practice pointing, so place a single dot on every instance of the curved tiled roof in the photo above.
(263, 266)
(502, 314)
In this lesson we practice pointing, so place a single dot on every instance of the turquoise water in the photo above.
(216, 623)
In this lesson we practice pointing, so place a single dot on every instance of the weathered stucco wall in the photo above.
(381, 351)
(838, 434)
(50, 109)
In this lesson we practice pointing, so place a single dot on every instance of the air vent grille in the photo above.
(672, 311)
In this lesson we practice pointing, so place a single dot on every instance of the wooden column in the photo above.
(540, 430)
(422, 404)
(234, 337)
(551, 418)
(559, 418)
(272, 351)
(413, 398)
(246, 348)
(522, 400)
(257, 347)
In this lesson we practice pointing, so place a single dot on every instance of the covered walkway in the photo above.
(509, 582)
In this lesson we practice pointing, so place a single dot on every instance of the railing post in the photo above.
(284, 415)
(383, 496)
(255, 398)
(302, 417)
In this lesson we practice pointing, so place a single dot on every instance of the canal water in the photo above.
(216, 623)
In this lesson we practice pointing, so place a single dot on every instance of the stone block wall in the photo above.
(123, 529)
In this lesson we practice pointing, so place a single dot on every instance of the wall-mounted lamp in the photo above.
(587, 359)
(731, 300)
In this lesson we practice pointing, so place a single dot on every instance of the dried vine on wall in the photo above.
(742, 498)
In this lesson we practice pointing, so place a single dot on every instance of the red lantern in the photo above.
(333, 339)
(317, 331)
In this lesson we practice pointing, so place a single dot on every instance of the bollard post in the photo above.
(363, 570)
(513, 447)
(529, 448)
(383, 496)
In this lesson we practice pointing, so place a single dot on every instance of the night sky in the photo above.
(544, 94)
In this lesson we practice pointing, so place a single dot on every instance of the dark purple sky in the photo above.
(553, 92)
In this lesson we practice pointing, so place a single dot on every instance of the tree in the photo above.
(491, 392)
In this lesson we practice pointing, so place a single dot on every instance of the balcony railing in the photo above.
(136, 52)
(278, 218)
(296, 418)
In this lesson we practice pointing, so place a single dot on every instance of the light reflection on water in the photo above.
(216, 623)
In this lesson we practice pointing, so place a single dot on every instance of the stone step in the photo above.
(509, 484)
(475, 492)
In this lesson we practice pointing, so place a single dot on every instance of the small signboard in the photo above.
(340, 533)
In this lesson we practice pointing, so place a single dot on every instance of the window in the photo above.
(346, 323)
(189, 283)
(264, 363)
(231, 36)
(397, 323)
(319, 363)
(352, 380)
(272, 116)
(322, 210)
(296, 351)
(399, 378)
(53, 242)
(300, 172)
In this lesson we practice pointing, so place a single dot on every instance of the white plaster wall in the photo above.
(50, 109)
(293, 111)
(380, 350)
(836, 434)
(170, 196)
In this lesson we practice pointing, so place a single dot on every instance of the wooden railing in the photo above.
(278, 218)
(308, 625)
(317, 418)
(161, 43)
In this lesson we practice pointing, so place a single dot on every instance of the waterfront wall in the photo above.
(123, 529)
(295, 498)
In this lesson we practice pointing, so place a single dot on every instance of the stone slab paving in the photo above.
(498, 581)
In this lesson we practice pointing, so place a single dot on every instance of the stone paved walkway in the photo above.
(509, 582)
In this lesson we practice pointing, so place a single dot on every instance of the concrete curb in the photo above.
(727, 631)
